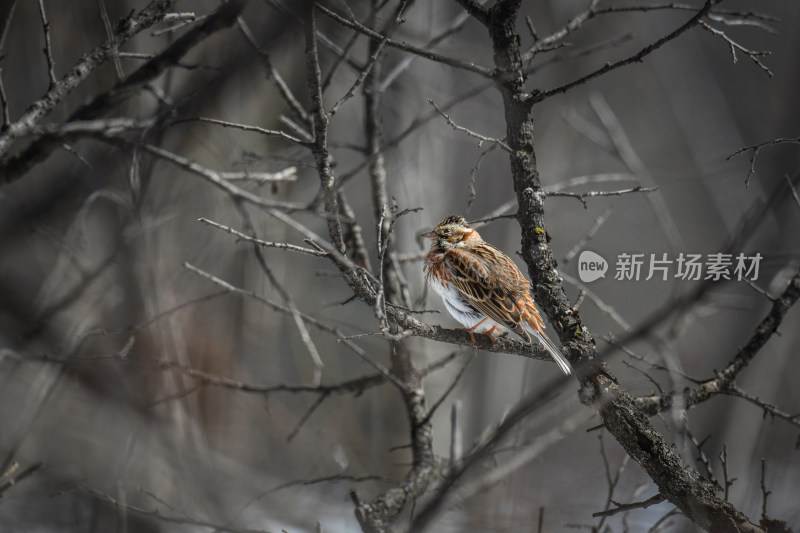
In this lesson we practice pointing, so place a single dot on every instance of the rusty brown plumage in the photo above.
(481, 286)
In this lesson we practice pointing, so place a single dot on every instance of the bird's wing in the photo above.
(506, 274)
(476, 280)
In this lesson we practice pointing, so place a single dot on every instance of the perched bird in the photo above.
(482, 287)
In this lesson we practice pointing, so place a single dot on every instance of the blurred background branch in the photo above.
(158, 375)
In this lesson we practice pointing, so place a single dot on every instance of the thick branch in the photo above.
(677, 481)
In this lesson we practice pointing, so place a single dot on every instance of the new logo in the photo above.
(591, 266)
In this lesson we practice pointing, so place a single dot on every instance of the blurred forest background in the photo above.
(141, 393)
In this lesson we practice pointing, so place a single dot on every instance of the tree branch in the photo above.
(725, 381)
(677, 481)
(635, 58)
(432, 56)
(126, 29)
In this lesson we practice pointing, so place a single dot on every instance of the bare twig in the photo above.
(331, 479)
(265, 244)
(473, 174)
(88, 63)
(547, 43)
(755, 149)
(702, 457)
(16, 166)
(215, 178)
(48, 49)
(611, 481)
(725, 381)
(432, 56)
(352, 346)
(272, 74)
(456, 26)
(593, 194)
(625, 507)
(635, 58)
(450, 387)
(734, 46)
(244, 127)
(481, 138)
(723, 460)
(764, 492)
(373, 59)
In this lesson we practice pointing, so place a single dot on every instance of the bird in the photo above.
(482, 287)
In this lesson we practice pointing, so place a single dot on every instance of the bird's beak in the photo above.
(430, 235)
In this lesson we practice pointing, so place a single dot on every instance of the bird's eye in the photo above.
(445, 232)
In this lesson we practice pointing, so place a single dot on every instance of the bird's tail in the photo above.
(553, 350)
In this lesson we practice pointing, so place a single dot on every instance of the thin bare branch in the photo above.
(481, 138)
(400, 45)
(635, 58)
(723, 460)
(141, 78)
(331, 479)
(215, 178)
(265, 244)
(456, 26)
(272, 74)
(450, 387)
(625, 507)
(757, 148)
(593, 194)
(48, 49)
(85, 66)
(473, 176)
(547, 43)
(316, 323)
(734, 46)
(725, 381)
(244, 127)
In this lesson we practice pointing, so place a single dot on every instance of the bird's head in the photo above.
(452, 232)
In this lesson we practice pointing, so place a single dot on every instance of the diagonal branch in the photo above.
(635, 58)
(400, 45)
(14, 168)
(725, 381)
(85, 66)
